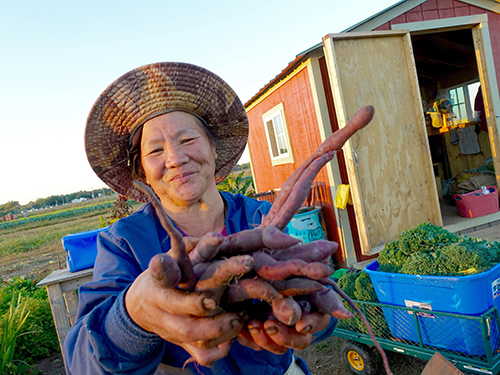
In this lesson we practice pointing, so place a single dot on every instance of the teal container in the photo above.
(308, 226)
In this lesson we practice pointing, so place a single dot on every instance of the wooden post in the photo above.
(59, 314)
(61, 289)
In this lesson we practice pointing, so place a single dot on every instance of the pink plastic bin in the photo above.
(470, 205)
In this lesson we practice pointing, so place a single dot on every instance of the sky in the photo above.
(56, 57)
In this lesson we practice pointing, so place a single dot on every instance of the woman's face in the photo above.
(178, 159)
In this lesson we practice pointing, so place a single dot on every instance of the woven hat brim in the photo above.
(149, 91)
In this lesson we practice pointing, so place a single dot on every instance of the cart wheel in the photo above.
(358, 358)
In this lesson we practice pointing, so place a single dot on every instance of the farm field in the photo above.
(33, 251)
(32, 247)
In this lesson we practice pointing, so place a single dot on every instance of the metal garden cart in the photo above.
(471, 343)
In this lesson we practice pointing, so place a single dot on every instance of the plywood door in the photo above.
(487, 76)
(389, 162)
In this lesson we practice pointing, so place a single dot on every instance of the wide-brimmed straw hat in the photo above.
(152, 90)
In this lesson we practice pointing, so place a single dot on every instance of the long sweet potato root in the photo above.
(332, 143)
(178, 248)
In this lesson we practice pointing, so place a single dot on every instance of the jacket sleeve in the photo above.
(104, 339)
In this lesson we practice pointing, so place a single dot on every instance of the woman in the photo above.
(180, 129)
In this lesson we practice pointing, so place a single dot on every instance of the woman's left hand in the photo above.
(207, 356)
(277, 337)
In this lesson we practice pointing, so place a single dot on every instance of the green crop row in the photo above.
(36, 238)
(56, 215)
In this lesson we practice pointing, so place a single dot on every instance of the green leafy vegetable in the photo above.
(431, 250)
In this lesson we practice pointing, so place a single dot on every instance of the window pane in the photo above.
(463, 112)
(453, 97)
(460, 93)
(272, 138)
(283, 149)
(278, 126)
(456, 112)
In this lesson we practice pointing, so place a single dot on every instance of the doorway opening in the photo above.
(460, 148)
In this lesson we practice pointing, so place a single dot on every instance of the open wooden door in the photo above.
(389, 163)
(487, 76)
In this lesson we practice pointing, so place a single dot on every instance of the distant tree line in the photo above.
(14, 207)
(241, 167)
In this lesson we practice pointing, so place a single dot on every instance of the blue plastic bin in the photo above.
(470, 295)
(81, 248)
(308, 226)
(467, 295)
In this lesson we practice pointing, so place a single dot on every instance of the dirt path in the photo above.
(322, 359)
(34, 264)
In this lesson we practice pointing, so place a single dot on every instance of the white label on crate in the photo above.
(495, 288)
(419, 305)
(476, 369)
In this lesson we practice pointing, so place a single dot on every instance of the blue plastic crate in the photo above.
(81, 248)
(467, 295)
(470, 295)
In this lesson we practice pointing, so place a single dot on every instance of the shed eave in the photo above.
(299, 59)
(385, 15)
(404, 6)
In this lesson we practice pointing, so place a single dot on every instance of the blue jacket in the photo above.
(105, 340)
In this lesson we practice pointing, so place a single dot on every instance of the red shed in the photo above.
(402, 166)
(9, 217)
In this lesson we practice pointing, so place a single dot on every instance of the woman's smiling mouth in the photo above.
(182, 177)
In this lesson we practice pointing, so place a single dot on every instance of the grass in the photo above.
(45, 233)
(14, 321)
(34, 238)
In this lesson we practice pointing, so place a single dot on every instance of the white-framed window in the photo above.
(462, 100)
(277, 136)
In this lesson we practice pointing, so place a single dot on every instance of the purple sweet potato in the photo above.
(243, 242)
(328, 302)
(300, 192)
(333, 142)
(286, 310)
(315, 251)
(207, 248)
(296, 286)
(273, 238)
(221, 272)
(245, 289)
(165, 271)
(271, 269)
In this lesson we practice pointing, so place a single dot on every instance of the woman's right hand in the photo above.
(181, 317)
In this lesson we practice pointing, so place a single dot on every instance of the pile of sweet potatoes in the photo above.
(263, 264)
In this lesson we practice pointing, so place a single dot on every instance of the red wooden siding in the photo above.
(439, 9)
(302, 123)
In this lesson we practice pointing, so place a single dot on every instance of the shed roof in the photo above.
(367, 24)
(299, 59)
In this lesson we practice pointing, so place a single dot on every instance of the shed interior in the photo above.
(459, 145)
